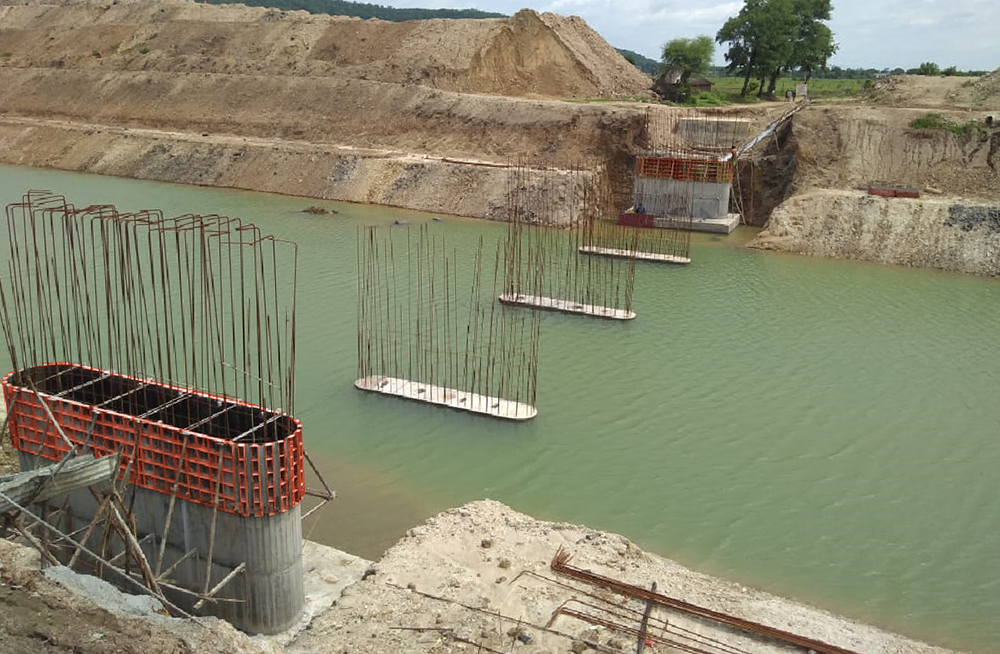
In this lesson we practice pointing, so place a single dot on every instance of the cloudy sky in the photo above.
(871, 34)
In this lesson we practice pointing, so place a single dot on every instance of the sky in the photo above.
(871, 33)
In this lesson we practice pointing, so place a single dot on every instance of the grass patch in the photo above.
(939, 122)
(726, 90)
(7, 55)
(143, 50)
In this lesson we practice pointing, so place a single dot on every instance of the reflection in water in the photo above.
(372, 511)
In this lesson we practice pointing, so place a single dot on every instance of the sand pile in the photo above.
(479, 576)
(529, 54)
(986, 90)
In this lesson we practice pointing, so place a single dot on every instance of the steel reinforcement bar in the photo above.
(560, 565)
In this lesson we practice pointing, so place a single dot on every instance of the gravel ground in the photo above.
(469, 578)
(476, 578)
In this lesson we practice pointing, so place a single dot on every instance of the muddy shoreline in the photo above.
(477, 576)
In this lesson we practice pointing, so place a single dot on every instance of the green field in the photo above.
(726, 90)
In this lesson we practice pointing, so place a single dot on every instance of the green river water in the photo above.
(824, 430)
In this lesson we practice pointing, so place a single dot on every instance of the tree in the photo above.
(738, 33)
(683, 58)
(689, 56)
(813, 44)
(928, 68)
(760, 39)
(770, 37)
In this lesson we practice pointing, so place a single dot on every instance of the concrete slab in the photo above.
(326, 573)
(566, 306)
(639, 256)
(496, 407)
(712, 225)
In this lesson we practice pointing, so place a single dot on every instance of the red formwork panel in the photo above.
(687, 170)
(254, 479)
(894, 191)
(636, 220)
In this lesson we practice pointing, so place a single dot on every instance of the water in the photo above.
(825, 430)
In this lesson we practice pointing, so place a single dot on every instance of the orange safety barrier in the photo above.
(688, 170)
(254, 479)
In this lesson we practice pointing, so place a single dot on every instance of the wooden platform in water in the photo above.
(639, 256)
(448, 397)
(566, 306)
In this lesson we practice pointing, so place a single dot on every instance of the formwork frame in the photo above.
(114, 322)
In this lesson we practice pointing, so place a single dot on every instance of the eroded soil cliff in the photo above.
(831, 154)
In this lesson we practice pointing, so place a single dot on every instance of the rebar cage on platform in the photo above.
(550, 216)
(425, 337)
(195, 301)
(169, 342)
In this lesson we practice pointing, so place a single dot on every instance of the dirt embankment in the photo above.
(402, 114)
(830, 149)
(40, 615)
(466, 580)
(936, 92)
(945, 233)
(252, 86)
(527, 54)
(849, 147)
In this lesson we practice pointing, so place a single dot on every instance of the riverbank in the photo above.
(946, 233)
(475, 576)
(424, 115)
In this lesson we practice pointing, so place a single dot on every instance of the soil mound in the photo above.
(529, 54)
(930, 92)
(986, 90)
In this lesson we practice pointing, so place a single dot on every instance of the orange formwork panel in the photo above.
(688, 170)
(170, 435)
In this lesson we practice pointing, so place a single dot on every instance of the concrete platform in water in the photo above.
(566, 306)
(711, 225)
(639, 256)
(448, 397)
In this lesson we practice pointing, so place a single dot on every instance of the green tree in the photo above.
(742, 54)
(770, 37)
(813, 44)
(760, 39)
(683, 57)
(928, 68)
(689, 56)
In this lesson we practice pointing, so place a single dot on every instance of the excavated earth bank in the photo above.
(463, 580)
(417, 115)
(835, 148)
(403, 114)
(944, 233)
